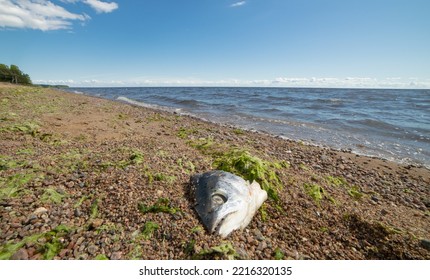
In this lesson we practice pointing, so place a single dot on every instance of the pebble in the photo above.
(40, 211)
(77, 212)
(92, 249)
(116, 256)
(262, 246)
(425, 244)
(63, 253)
(243, 254)
(28, 200)
(21, 254)
(258, 235)
(116, 247)
(325, 158)
(96, 223)
(79, 241)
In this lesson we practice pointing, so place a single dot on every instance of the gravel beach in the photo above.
(88, 178)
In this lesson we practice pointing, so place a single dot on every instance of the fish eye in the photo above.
(218, 199)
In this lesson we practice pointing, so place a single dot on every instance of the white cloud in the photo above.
(238, 4)
(36, 14)
(98, 6)
(349, 82)
(45, 15)
(102, 7)
(352, 82)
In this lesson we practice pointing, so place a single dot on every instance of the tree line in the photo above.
(13, 75)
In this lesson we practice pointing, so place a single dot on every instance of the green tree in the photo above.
(25, 80)
(16, 73)
(5, 75)
(13, 75)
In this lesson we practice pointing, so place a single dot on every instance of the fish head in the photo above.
(226, 202)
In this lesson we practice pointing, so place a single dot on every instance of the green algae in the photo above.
(252, 168)
(161, 206)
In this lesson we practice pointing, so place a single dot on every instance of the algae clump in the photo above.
(222, 251)
(162, 205)
(252, 168)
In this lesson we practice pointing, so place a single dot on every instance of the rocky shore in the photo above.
(88, 178)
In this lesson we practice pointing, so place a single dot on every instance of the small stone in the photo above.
(27, 200)
(116, 256)
(76, 253)
(262, 246)
(116, 247)
(21, 254)
(37, 257)
(63, 253)
(77, 212)
(96, 223)
(40, 211)
(83, 257)
(92, 249)
(324, 158)
(384, 212)
(31, 251)
(258, 235)
(61, 191)
(267, 254)
(15, 225)
(425, 244)
(79, 241)
(242, 253)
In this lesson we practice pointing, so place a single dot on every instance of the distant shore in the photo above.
(76, 173)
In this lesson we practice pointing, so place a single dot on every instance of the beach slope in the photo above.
(87, 178)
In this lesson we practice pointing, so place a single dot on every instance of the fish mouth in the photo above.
(217, 226)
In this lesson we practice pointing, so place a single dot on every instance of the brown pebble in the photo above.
(79, 241)
(92, 249)
(96, 223)
(116, 256)
(63, 253)
(21, 254)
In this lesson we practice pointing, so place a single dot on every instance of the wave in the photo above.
(190, 102)
(147, 105)
(343, 118)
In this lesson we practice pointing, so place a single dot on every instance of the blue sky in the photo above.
(327, 43)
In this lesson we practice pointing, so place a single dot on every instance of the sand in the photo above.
(76, 171)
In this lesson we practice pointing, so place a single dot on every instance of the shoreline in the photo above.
(404, 158)
(86, 163)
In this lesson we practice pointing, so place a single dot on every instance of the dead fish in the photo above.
(226, 202)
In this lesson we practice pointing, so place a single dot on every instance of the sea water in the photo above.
(388, 123)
